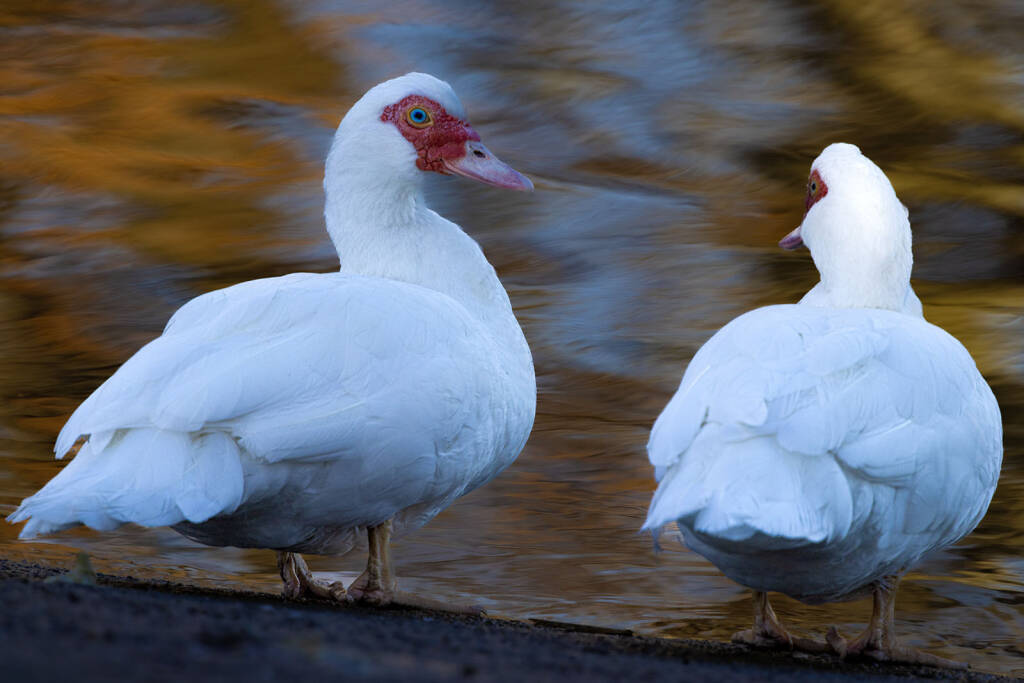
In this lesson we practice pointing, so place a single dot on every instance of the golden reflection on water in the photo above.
(153, 153)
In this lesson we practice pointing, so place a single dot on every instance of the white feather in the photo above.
(291, 412)
(813, 448)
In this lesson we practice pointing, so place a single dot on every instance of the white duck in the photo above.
(820, 449)
(291, 413)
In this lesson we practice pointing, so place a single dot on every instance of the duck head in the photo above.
(406, 127)
(857, 230)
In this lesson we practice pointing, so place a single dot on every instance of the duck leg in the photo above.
(299, 581)
(377, 584)
(769, 632)
(878, 640)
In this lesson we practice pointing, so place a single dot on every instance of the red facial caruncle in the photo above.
(816, 189)
(436, 134)
(447, 144)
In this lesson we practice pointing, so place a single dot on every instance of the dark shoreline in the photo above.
(126, 629)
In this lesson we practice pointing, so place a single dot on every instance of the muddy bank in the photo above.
(124, 629)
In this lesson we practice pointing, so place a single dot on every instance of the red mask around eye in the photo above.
(436, 134)
(816, 189)
(447, 144)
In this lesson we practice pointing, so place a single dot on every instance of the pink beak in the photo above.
(480, 164)
(792, 240)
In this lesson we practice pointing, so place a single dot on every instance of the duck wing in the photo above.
(381, 375)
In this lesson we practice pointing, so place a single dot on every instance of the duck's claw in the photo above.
(768, 631)
(299, 581)
(878, 641)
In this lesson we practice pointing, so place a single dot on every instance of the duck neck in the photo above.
(858, 284)
(867, 267)
(360, 212)
(385, 229)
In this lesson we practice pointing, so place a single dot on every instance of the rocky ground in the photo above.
(117, 628)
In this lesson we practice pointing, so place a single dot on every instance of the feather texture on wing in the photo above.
(394, 385)
(805, 427)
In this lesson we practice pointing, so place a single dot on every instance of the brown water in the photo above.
(150, 154)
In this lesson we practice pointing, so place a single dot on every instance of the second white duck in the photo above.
(821, 449)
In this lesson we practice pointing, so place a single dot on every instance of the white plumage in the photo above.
(814, 449)
(292, 412)
(809, 451)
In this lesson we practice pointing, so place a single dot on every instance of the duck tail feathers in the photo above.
(149, 477)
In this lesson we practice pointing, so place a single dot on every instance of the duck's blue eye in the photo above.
(418, 116)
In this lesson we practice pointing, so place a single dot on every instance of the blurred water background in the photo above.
(152, 151)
